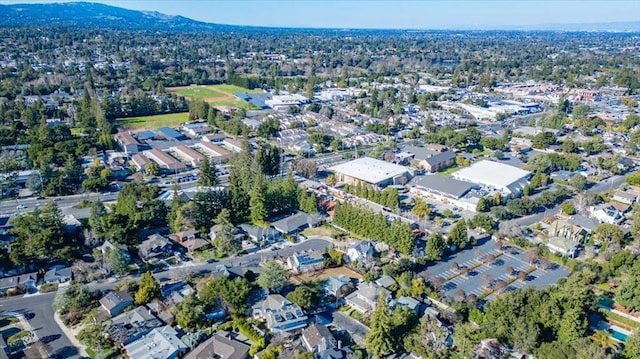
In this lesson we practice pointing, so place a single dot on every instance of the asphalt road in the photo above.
(39, 312)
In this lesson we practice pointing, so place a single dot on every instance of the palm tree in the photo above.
(605, 340)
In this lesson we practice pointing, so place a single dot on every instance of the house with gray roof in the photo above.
(115, 303)
(128, 327)
(365, 298)
(160, 342)
(58, 275)
(260, 234)
(429, 160)
(296, 223)
(307, 261)
(154, 247)
(26, 282)
(318, 338)
(280, 314)
(407, 302)
(362, 252)
(337, 285)
(220, 346)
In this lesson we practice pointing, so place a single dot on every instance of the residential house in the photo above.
(606, 214)
(295, 223)
(23, 282)
(386, 282)
(160, 342)
(58, 275)
(563, 246)
(128, 327)
(176, 292)
(338, 285)
(304, 262)
(318, 338)
(220, 346)
(259, 234)
(280, 314)
(154, 247)
(364, 299)
(362, 252)
(190, 240)
(626, 197)
(407, 302)
(335, 353)
(115, 303)
(565, 228)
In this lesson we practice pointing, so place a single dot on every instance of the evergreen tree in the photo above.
(380, 339)
(208, 173)
(257, 201)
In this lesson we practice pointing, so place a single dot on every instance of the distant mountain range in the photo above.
(85, 14)
(96, 15)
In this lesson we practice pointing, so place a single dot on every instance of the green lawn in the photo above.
(198, 92)
(447, 172)
(232, 89)
(234, 102)
(154, 122)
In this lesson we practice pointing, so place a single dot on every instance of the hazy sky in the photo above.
(421, 14)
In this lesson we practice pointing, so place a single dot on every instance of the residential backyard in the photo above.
(324, 274)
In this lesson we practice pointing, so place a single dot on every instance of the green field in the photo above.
(198, 93)
(154, 122)
(232, 89)
(235, 103)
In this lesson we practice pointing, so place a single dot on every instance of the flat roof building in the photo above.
(171, 134)
(216, 153)
(507, 179)
(165, 160)
(188, 154)
(370, 171)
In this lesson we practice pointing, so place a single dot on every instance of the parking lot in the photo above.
(488, 276)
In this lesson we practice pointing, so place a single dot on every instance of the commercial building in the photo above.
(196, 129)
(233, 145)
(371, 172)
(507, 179)
(165, 160)
(283, 102)
(216, 153)
(128, 144)
(188, 154)
(445, 190)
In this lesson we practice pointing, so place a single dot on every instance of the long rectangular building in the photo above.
(189, 154)
(165, 160)
(216, 153)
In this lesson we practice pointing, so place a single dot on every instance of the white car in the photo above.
(21, 206)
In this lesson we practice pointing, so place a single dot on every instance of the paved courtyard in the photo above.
(482, 276)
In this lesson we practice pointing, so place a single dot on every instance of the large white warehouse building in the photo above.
(505, 178)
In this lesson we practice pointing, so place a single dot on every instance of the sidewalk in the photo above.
(71, 335)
